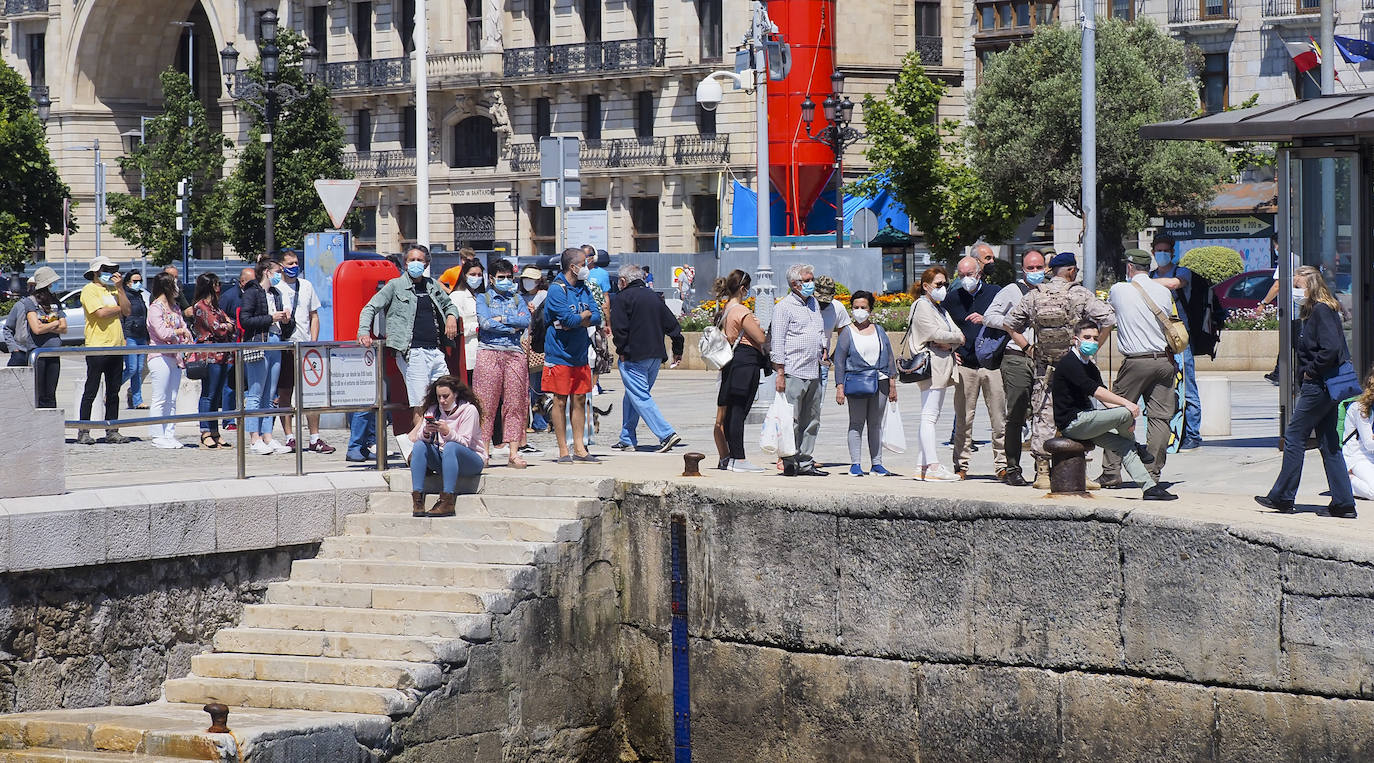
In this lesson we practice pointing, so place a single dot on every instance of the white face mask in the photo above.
(583, 272)
(528, 283)
(860, 315)
(1299, 294)
(938, 293)
(970, 283)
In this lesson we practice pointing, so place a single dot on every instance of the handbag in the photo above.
(989, 347)
(861, 383)
(912, 367)
(1343, 383)
(197, 370)
(715, 350)
(1175, 330)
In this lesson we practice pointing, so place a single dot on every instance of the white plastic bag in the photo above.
(778, 436)
(894, 439)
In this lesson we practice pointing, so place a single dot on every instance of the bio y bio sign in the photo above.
(345, 376)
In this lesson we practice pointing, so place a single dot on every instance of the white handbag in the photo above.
(715, 351)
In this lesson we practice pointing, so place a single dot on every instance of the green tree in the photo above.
(1026, 128)
(925, 165)
(307, 146)
(178, 144)
(31, 192)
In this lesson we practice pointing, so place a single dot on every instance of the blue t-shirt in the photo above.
(602, 279)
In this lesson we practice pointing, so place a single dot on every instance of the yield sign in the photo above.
(337, 196)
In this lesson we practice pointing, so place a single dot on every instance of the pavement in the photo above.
(1241, 464)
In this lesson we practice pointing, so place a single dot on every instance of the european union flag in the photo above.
(1354, 51)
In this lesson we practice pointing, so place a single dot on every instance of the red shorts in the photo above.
(566, 380)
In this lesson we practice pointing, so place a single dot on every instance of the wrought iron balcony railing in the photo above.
(1193, 11)
(25, 7)
(364, 75)
(381, 164)
(586, 57)
(932, 50)
(1279, 8)
(701, 149)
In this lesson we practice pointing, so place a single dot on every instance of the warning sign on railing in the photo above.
(344, 376)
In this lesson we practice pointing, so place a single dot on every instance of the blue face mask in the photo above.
(808, 288)
(415, 268)
(276, 278)
(505, 285)
(293, 271)
(136, 286)
(1088, 348)
(1038, 277)
(474, 282)
(107, 278)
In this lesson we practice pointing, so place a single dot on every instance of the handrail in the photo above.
(239, 414)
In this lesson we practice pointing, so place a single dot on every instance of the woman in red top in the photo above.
(211, 325)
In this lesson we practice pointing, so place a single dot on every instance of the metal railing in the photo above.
(701, 149)
(585, 57)
(931, 50)
(239, 414)
(381, 164)
(372, 73)
(1279, 8)
(617, 153)
(1201, 10)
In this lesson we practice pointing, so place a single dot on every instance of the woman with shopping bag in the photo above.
(864, 371)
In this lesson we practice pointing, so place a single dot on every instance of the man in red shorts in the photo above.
(569, 311)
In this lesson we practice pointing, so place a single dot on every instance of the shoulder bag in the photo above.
(1175, 331)
(912, 367)
(715, 350)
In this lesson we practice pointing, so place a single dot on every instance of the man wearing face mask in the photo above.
(799, 348)
(639, 322)
(105, 304)
(303, 301)
(1077, 382)
(966, 306)
(1018, 371)
(1179, 280)
(569, 310)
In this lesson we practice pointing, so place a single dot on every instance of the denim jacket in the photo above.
(398, 302)
(504, 334)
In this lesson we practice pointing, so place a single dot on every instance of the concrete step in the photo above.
(287, 695)
(380, 596)
(430, 550)
(49, 755)
(402, 525)
(493, 506)
(337, 671)
(362, 646)
(443, 574)
(506, 482)
(391, 622)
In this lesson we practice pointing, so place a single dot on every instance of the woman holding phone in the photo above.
(448, 440)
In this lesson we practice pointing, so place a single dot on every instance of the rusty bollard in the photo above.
(219, 718)
(691, 463)
(1068, 466)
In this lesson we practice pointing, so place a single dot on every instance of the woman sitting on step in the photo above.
(448, 440)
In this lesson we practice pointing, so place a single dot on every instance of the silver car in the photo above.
(76, 318)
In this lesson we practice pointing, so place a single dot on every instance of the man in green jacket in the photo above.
(415, 306)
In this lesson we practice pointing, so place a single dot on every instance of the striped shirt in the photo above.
(799, 338)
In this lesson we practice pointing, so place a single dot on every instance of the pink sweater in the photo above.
(464, 428)
(163, 323)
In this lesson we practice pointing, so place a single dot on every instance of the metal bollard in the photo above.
(219, 718)
(691, 464)
(1068, 466)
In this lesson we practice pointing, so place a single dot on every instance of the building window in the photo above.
(1214, 84)
(474, 143)
(644, 18)
(474, 27)
(593, 205)
(1046, 13)
(367, 234)
(406, 25)
(1121, 9)
(474, 225)
(928, 19)
(362, 30)
(591, 124)
(408, 127)
(1022, 15)
(644, 114)
(543, 118)
(644, 218)
(706, 121)
(709, 14)
(38, 59)
(407, 223)
(362, 126)
(539, 21)
(706, 216)
(1216, 9)
(319, 30)
(543, 228)
(591, 19)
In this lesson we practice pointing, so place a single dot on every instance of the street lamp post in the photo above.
(267, 100)
(838, 135)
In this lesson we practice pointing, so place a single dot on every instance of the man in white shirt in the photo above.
(1150, 368)
(300, 297)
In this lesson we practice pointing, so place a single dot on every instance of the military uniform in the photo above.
(1053, 310)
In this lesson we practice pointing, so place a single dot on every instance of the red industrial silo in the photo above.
(798, 166)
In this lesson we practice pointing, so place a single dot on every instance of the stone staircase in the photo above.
(367, 628)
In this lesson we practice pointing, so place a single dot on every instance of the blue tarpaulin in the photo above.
(822, 217)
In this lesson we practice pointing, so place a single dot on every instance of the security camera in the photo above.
(709, 94)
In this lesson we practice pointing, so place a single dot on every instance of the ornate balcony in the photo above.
(378, 73)
(701, 149)
(26, 8)
(616, 153)
(932, 50)
(444, 66)
(1202, 15)
(585, 58)
(1292, 12)
(381, 164)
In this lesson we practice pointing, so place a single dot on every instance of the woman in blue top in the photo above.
(501, 375)
(864, 369)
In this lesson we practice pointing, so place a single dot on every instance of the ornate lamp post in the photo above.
(267, 99)
(43, 105)
(838, 135)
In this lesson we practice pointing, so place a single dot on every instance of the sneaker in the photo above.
(262, 448)
(1157, 493)
(669, 443)
(855, 471)
(1193, 444)
(282, 448)
(1272, 377)
(1146, 457)
(880, 471)
(322, 447)
(622, 446)
(356, 456)
(723, 465)
(501, 450)
(291, 443)
(530, 450)
(83, 437)
(113, 437)
(937, 473)
(229, 425)
(741, 465)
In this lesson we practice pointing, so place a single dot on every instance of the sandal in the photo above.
(516, 462)
(219, 442)
(208, 441)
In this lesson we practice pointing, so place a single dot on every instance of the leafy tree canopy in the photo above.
(31, 192)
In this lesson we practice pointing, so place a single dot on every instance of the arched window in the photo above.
(474, 143)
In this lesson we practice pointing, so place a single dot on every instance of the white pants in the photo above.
(1361, 477)
(165, 379)
(932, 400)
(421, 368)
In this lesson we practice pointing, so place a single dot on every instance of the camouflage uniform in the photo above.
(1053, 310)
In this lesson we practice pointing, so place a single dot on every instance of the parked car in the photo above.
(1245, 290)
(76, 318)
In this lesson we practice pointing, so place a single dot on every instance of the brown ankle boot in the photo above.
(417, 503)
(444, 506)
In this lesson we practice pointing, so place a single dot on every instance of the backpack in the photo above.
(991, 344)
(1205, 316)
(1053, 321)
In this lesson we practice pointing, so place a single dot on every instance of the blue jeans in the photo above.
(638, 376)
(537, 421)
(362, 431)
(227, 397)
(453, 462)
(134, 366)
(261, 377)
(1192, 404)
(211, 394)
(1314, 410)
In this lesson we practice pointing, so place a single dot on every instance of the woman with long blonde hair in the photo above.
(1359, 441)
(1321, 351)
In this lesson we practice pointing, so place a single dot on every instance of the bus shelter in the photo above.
(1323, 165)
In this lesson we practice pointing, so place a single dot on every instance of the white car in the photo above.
(76, 318)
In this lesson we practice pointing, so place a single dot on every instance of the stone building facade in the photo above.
(618, 74)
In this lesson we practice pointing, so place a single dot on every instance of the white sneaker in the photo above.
(280, 447)
(166, 443)
(262, 448)
(741, 465)
(938, 473)
(504, 450)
